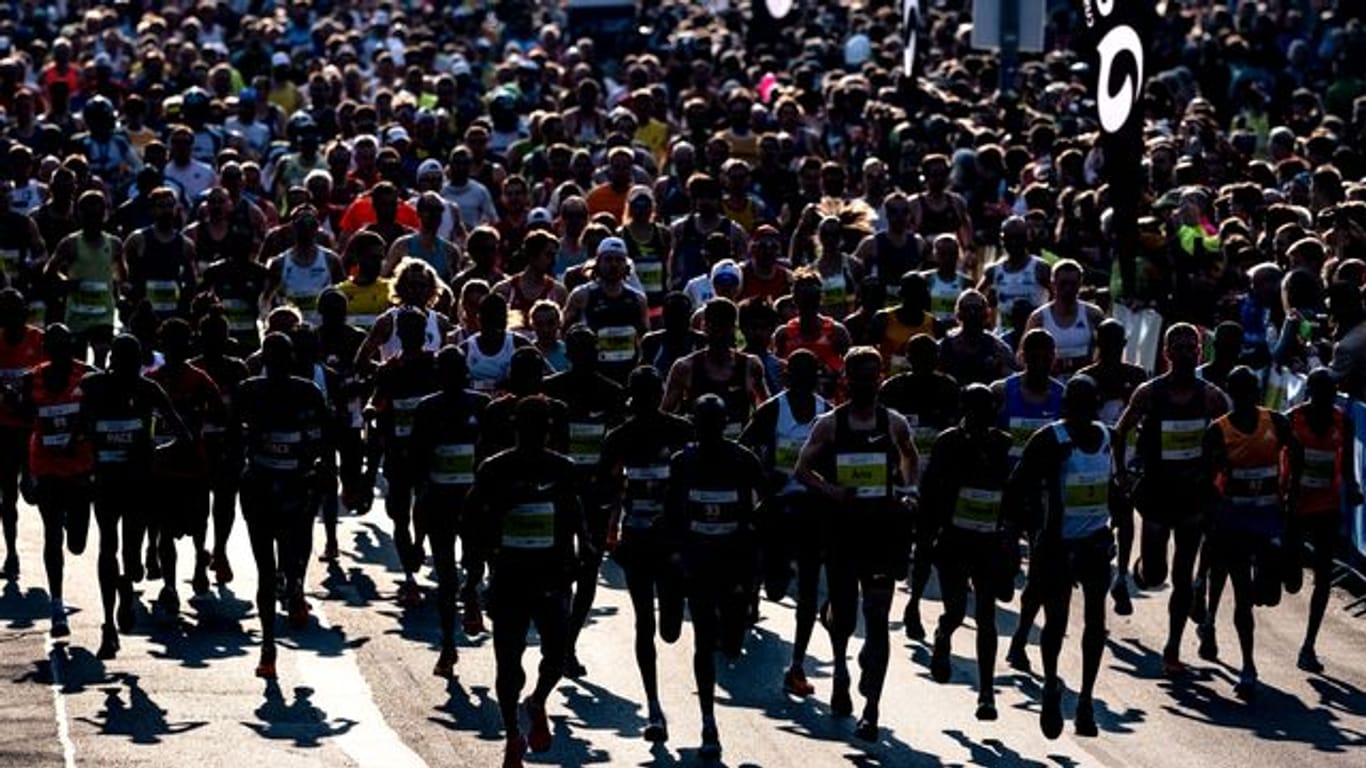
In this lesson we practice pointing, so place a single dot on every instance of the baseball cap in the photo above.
(396, 134)
(428, 167)
(542, 216)
(725, 271)
(612, 245)
(460, 66)
(279, 59)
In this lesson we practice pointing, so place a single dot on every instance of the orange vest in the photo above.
(15, 361)
(1252, 478)
(1321, 478)
(54, 447)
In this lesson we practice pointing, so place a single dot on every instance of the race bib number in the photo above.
(866, 473)
(651, 274)
(453, 465)
(585, 442)
(530, 526)
(1182, 440)
(977, 510)
(1320, 468)
(617, 344)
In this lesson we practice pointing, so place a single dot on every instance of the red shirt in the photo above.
(15, 361)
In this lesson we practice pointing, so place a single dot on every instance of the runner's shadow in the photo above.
(418, 625)
(351, 586)
(991, 752)
(596, 708)
(140, 718)
(217, 634)
(372, 544)
(1106, 719)
(76, 667)
(300, 721)
(472, 710)
(21, 609)
(1273, 715)
(1337, 694)
(328, 642)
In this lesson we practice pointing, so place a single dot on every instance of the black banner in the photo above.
(1118, 31)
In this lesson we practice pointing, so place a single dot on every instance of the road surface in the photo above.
(355, 688)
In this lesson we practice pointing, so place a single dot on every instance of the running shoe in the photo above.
(222, 569)
(866, 729)
(1085, 721)
(1209, 645)
(445, 663)
(1247, 686)
(1050, 713)
(539, 739)
(911, 619)
(840, 703)
(573, 668)
(657, 728)
(109, 643)
(1018, 659)
(986, 710)
(1309, 661)
(795, 683)
(1119, 591)
(329, 554)
(473, 622)
(711, 742)
(169, 602)
(60, 627)
(941, 660)
(1172, 666)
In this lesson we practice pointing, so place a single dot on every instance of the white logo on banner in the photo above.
(778, 8)
(1115, 106)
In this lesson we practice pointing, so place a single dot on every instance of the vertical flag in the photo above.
(910, 29)
(1118, 29)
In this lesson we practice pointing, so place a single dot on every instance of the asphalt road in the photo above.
(355, 688)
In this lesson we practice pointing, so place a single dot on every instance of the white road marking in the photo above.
(341, 691)
(59, 706)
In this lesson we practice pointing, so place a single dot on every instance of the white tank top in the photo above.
(392, 347)
(944, 295)
(788, 439)
(1011, 287)
(1084, 485)
(300, 284)
(489, 372)
(1073, 342)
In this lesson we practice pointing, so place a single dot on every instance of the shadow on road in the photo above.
(596, 707)
(470, 710)
(351, 586)
(139, 718)
(372, 544)
(298, 721)
(19, 609)
(1273, 715)
(77, 668)
(216, 634)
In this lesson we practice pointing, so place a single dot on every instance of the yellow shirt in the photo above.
(655, 136)
(365, 303)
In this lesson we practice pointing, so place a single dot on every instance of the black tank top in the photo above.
(891, 261)
(734, 392)
(938, 222)
(865, 460)
(1171, 439)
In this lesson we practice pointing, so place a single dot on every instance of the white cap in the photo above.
(280, 59)
(726, 268)
(430, 166)
(612, 245)
(542, 216)
(460, 66)
(857, 49)
(396, 134)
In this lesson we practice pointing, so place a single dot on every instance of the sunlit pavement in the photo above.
(355, 687)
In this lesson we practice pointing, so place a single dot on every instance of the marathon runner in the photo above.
(962, 488)
(737, 378)
(1323, 429)
(60, 460)
(118, 409)
(90, 263)
(928, 400)
(1072, 323)
(824, 336)
(446, 449)
(1071, 541)
(282, 418)
(792, 528)
(1171, 412)
(1248, 448)
(635, 467)
(714, 486)
(1117, 381)
(615, 312)
(160, 260)
(891, 328)
(21, 348)
(595, 404)
(526, 519)
(861, 457)
(1029, 401)
(400, 384)
(222, 443)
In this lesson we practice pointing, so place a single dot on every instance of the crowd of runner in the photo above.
(742, 307)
